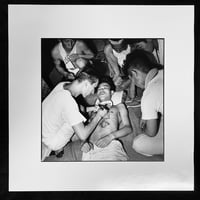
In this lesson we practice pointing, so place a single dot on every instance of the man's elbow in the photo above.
(128, 129)
(150, 133)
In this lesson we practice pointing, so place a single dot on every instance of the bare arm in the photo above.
(57, 62)
(82, 52)
(125, 127)
(85, 51)
(150, 113)
(150, 127)
(83, 131)
(112, 60)
(148, 45)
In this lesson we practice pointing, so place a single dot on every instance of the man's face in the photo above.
(138, 77)
(103, 92)
(88, 88)
(118, 46)
(68, 43)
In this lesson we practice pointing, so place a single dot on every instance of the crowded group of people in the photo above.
(86, 111)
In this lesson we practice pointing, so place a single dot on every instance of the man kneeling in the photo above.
(103, 143)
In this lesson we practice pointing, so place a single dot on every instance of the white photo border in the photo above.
(28, 24)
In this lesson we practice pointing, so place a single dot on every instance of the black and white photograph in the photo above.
(102, 99)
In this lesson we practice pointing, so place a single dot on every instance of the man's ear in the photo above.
(86, 83)
(133, 73)
(112, 92)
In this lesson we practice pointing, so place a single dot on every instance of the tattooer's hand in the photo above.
(73, 57)
(102, 112)
(142, 124)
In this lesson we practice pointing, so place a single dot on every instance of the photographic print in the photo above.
(103, 101)
(127, 82)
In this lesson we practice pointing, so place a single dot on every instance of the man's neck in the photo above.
(151, 74)
(73, 88)
(107, 103)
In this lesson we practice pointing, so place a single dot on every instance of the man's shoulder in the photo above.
(107, 49)
(55, 51)
(152, 92)
(121, 107)
(156, 86)
(64, 94)
(80, 44)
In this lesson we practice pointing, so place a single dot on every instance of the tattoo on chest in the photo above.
(105, 121)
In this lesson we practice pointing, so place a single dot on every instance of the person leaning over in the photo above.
(61, 118)
(149, 76)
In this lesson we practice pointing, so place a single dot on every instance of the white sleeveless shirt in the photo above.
(68, 64)
(122, 55)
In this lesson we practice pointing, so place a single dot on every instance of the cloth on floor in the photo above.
(72, 152)
(113, 152)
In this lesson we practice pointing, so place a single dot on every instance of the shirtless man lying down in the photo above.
(103, 143)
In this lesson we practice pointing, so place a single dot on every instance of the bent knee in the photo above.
(140, 145)
(137, 144)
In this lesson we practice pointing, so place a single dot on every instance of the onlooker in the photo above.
(70, 55)
(148, 76)
(116, 52)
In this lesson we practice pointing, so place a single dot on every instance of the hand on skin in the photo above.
(105, 141)
(102, 112)
(86, 147)
(142, 124)
(118, 81)
(148, 46)
(73, 57)
(69, 76)
(140, 45)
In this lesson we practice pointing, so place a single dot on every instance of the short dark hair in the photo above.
(88, 73)
(109, 81)
(116, 39)
(141, 60)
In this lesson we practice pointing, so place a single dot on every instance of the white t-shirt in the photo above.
(152, 99)
(59, 113)
(121, 57)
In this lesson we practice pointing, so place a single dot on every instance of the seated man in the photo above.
(70, 56)
(103, 143)
(148, 76)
